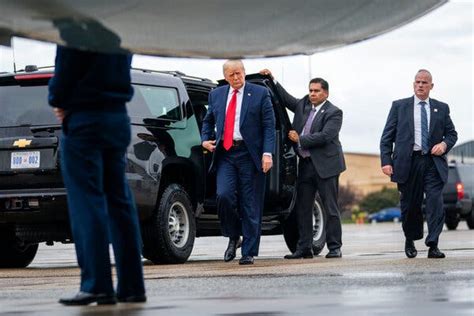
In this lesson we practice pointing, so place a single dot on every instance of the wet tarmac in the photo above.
(373, 278)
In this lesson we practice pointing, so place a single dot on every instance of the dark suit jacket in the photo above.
(257, 121)
(323, 140)
(400, 130)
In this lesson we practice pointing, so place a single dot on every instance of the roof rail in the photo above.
(174, 73)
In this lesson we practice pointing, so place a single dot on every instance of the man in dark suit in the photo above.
(241, 117)
(88, 92)
(423, 133)
(317, 123)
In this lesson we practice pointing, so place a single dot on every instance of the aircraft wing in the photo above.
(206, 28)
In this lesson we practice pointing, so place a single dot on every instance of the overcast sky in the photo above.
(364, 78)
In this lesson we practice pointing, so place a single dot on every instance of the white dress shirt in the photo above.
(417, 120)
(240, 94)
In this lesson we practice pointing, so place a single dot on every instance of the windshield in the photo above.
(25, 105)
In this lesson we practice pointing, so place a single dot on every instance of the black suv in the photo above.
(167, 168)
(458, 195)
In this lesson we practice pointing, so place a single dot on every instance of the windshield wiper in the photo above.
(46, 128)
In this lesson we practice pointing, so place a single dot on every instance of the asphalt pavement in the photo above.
(373, 278)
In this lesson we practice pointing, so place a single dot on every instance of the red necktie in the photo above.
(230, 120)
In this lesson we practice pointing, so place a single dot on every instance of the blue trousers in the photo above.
(101, 206)
(240, 191)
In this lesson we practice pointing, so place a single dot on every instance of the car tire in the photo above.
(169, 237)
(470, 220)
(291, 234)
(14, 253)
(451, 221)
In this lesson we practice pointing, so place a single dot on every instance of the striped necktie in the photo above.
(425, 134)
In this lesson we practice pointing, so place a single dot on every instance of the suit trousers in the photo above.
(240, 188)
(101, 205)
(423, 179)
(308, 183)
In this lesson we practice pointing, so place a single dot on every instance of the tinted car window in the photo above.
(452, 175)
(155, 102)
(25, 105)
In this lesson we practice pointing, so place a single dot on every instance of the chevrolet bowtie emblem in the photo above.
(21, 143)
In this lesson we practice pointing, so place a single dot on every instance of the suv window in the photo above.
(25, 105)
(452, 175)
(155, 102)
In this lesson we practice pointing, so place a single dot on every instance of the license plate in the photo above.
(25, 160)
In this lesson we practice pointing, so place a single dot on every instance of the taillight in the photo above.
(460, 190)
(33, 76)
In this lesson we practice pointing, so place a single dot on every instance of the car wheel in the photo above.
(470, 220)
(291, 234)
(451, 221)
(169, 237)
(14, 253)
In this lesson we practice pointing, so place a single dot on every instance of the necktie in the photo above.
(307, 128)
(424, 128)
(230, 120)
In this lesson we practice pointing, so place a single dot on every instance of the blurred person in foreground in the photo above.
(89, 91)
(422, 132)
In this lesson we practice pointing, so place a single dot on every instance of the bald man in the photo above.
(422, 132)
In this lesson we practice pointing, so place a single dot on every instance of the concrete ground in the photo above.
(373, 278)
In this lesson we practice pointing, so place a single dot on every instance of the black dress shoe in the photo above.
(246, 260)
(229, 254)
(410, 249)
(84, 298)
(132, 299)
(435, 253)
(334, 253)
(299, 254)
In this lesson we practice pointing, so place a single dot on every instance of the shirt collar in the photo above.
(318, 107)
(417, 100)
(241, 90)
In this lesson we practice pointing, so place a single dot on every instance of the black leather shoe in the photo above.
(334, 253)
(435, 253)
(229, 254)
(410, 249)
(84, 298)
(132, 299)
(299, 254)
(246, 260)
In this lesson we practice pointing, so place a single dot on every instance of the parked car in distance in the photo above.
(458, 195)
(389, 214)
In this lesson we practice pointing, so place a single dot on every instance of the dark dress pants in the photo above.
(423, 179)
(240, 187)
(101, 205)
(308, 183)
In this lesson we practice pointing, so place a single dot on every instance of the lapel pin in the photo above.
(322, 111)
(248, 94)
(436, 110)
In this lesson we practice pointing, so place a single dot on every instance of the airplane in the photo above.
(206, 28)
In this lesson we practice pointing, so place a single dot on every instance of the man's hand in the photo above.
(60, 114)
(439, 149)
(388, 170)
(267, 163)
(266, 72)
(293, 136)
(209, 145)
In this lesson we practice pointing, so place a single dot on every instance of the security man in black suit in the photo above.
(316, 124)
(423, 133)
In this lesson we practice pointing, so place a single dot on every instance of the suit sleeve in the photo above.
(268, 124)
(209, 122)
(328, 133)
(450, 134)
(289, 101)
(388, 137)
